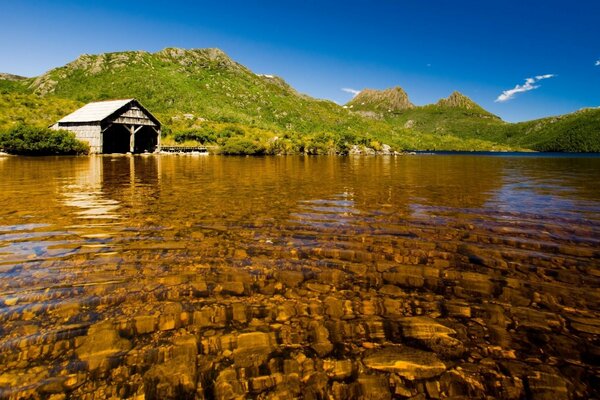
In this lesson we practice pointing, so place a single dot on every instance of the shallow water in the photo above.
(287, 277)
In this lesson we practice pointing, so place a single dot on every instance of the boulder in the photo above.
(253, 349)
(407, 362)
(101, 344)
(432, 334)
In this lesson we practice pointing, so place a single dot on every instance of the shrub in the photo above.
(199, 135)
(34, 141)
(231, 131)
(242, 145)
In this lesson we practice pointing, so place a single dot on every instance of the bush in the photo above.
(231, 131)
(34, 141)
(242, 145)
(199, 135)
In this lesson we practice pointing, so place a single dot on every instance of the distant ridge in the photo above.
(11, 77)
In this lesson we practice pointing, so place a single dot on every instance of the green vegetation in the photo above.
(203, 97)
(32, 141)
(29, 109)
(577, 132)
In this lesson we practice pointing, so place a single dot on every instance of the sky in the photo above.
(520, 60)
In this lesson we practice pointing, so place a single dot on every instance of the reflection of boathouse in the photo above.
(116, 126)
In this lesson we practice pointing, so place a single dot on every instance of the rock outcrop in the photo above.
(381, 101)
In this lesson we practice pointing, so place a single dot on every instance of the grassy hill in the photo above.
(203, 95)
(460, 117)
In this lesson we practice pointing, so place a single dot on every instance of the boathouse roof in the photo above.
(102, 110)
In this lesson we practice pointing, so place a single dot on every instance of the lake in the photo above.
(300, 277)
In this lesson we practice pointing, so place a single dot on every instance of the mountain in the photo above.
(11, 77)
(203, 95)
(380, 101)
(459, 100)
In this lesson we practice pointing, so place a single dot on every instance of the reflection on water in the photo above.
(287, 277)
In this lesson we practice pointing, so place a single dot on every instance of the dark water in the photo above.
(300, 277)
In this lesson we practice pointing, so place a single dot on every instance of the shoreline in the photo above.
(394, 154)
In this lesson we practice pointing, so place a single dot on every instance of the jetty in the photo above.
(184, 149)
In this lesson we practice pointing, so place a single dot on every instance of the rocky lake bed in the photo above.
(424, 277)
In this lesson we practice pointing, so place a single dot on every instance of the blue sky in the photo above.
(429, 47)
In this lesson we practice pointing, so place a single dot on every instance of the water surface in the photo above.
(288, 277)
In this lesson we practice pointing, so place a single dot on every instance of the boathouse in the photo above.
(115, 126)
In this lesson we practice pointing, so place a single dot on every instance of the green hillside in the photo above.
(460, 117)
(204, 96)
(576, 132)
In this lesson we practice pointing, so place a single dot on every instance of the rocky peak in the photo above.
(458, 100)
(201, 57)
(388, 100)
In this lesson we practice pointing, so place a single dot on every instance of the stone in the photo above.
(253, 349)
(318, 287)
(458, 382)
(144, 324)
(532, 319)
(457, 309)
(176, 378)
(547, 386)
(412, 276)
(101, 343)
(374, 387)
(286, 311)
(320, 339)
(239, 312)
(170, 317)
(433, 389)
(338, 369)
(290, 278)
(334, 307)
(407, 362)
(232, 288)
(432, 334)
(228, 386)
(263, 383)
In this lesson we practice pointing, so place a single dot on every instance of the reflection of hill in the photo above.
(562, 176)
(444, 181)
(549, 187)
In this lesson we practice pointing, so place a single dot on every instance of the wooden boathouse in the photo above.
(115, 126)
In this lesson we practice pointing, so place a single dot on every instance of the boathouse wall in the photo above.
(88, 133)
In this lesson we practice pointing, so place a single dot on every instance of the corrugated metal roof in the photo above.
(95, 112)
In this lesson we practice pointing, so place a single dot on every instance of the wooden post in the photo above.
(158, 142)
(131, 139)
(132, 131)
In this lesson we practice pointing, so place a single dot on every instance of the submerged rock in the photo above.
(101, 343)
(407, 362)
(252, 349)
(432, 334)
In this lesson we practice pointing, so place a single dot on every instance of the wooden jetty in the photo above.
(184, 149)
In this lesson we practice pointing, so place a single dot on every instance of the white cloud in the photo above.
(354, 92)
(597, 64)
(530, 84)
